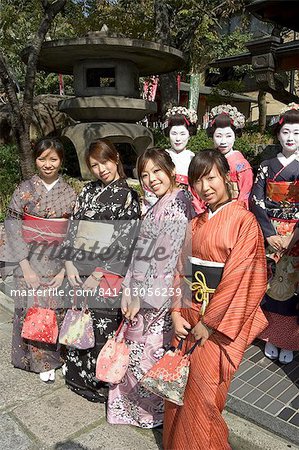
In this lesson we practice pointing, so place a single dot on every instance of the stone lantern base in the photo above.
(82, 134)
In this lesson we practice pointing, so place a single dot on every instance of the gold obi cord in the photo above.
(202, 291)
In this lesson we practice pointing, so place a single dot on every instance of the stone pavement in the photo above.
(39, 416)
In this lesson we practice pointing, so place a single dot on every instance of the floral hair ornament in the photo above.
(236, 117)
(189, 115)
(280, 119)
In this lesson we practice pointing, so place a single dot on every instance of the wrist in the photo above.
(209, 329)
(95, 277)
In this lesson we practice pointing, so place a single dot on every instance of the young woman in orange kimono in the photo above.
(227, 263)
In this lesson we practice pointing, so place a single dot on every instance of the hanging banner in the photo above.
(194, 91)
(150, 88)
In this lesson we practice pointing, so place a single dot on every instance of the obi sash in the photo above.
(181, 179)
(38, 229)
(206, 276)
(283, 191)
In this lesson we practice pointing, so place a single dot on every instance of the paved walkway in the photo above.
(39, 416)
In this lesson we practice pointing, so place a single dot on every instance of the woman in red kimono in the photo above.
(228, 257)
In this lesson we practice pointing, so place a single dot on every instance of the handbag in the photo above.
(110, 284)
(40, 324)
(168, 377)
(77, 328)
(113, 359)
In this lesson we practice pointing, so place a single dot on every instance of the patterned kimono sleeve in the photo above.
(153, 267)
(118, 257)
(243, 283)
(15, 248)
(257, 202)
(68, 242)
(245, 181)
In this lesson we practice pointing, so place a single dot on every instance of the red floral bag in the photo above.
(40, 324)
(168, 377)
(113, 359)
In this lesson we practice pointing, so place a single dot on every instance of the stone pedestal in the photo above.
(82, 134)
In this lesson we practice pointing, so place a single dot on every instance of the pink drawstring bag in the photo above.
(113, 359)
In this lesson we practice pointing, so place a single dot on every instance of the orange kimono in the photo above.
(230, 236)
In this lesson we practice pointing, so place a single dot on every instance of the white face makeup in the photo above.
(288, 137)
(224, 139)
(179, 136)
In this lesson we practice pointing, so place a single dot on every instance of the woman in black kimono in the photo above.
(101, 239)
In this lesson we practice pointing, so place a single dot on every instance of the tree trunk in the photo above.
(168, 81)
(262, 105)
(22, 112)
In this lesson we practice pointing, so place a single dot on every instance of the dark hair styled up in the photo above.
(290, 116)
(203, 163)
(104, 150)
(159, 157)
(222, 121)
(177, 120)
(48, 144)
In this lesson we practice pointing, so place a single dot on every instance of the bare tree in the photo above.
(22, 107)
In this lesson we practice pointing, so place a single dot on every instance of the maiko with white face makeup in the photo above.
(274, 201)
(179, 137)
(223, 130)
(224, 139)
(288, 137)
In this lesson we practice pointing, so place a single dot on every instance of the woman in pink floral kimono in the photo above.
(148, 290)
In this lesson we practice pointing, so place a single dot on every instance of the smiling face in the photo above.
(179, 136)
(155, 179)
(48, 165)
(212, 189)
(105, 171)
(288, 137)
(224, 139)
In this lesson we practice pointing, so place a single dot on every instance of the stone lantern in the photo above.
(107, 102)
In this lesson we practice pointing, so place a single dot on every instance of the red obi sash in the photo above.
(181, 179)
(38, 229)
(283, 191)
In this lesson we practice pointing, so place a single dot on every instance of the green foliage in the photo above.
(10, 175)
(200, 141)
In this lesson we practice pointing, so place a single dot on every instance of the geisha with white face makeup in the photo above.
(288, 137)
(178, 129)
(226, 122)
(274, 201)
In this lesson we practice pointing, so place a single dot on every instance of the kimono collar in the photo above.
(286, 161)
(212, 214)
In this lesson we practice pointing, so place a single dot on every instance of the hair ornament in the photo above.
(190, 115)
(288, 107)
(236, 117)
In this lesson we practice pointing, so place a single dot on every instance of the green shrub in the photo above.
(10, 175)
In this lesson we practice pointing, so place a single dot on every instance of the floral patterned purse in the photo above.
(113, 359)
(168, 377)
(77, 328)
(40, 324)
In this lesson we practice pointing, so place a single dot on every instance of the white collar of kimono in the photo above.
(286, 161)
(51, 185)
(212, 214)
(230, 152)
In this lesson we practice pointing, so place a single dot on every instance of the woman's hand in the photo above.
(92, 282)
(57, 281)
(276, 242)
(201, 331)
(30, 276)
(72, 274)
(129, 306)
(180, 325)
